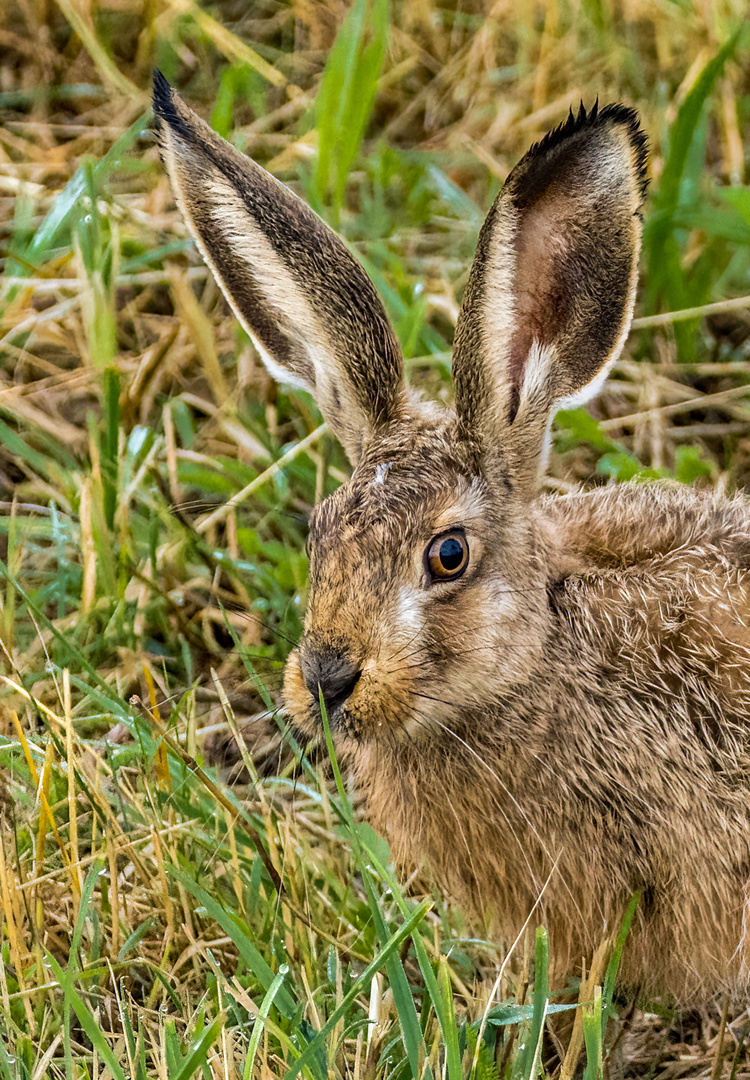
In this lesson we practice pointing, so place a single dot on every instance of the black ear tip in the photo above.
(162, 98)
(170, 110)
(161, 91)
(576, 126)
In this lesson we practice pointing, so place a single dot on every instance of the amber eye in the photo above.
(447, 556)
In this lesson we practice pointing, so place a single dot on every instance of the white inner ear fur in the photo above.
(499, 321)
(536, 374)
(498, 314)
(276, 371)
(586, 393)
(272, 276)
(177, 162)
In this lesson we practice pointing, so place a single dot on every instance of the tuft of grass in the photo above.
(161, 915)
(346, 95)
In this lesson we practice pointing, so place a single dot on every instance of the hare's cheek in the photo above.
(297, 696)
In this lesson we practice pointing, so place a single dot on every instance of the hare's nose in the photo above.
(331, 673)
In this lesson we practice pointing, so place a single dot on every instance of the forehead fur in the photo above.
(415, 481)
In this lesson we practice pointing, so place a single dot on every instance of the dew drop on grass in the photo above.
(137, 440)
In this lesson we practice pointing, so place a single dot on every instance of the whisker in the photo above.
(261, 656)
(395, 655)
(460, 707)
(263, 664)
(428, 661)
(267, 626)
(193, 504)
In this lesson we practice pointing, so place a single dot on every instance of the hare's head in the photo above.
(428, 579)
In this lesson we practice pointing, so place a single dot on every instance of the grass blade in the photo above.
(392, 944)
(402, 996)
(347, 94)
(610, 979)
(83, 909)
(66, 203)
(686, 122)
(236, 930)
(541, 999)
(446, 1013)
(592, 1035)
(86, 1019)
(667, 277)
(198, 1056)
(265, 1008)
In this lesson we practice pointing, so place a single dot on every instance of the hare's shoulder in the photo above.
(657, 577)
(630, 526)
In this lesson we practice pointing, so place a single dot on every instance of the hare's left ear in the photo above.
(308, 304)
(550, 296)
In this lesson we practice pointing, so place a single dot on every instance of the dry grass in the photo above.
(139, 613)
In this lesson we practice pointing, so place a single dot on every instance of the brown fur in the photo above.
(568, 721)
(599, 737)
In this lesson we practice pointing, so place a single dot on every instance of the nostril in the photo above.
(332, 674)
(339, 692)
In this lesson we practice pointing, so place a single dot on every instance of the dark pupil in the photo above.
(451, 554)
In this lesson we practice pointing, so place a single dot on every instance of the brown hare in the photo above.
(544, 699)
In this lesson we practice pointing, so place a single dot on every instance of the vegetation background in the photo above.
(159, 919)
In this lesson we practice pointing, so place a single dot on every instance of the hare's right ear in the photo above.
(550, 296)
(307, 303)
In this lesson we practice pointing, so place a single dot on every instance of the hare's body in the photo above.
(621, 764)
(547, 700)
(593, 742)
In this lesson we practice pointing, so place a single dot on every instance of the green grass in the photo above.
(160, 917)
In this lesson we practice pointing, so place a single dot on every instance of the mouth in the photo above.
(344, 721)
(304, 738)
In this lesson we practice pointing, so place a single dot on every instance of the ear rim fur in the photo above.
(333, 338)
(510, 421)
(624, 116)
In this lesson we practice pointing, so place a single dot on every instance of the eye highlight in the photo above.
(447, 556)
